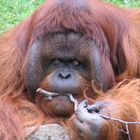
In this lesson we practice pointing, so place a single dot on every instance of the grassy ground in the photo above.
(14, 11)
(135, 3)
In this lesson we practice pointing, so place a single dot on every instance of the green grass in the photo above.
(135, 3)
(14, 11)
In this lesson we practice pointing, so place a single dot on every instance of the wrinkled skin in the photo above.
(59, 63)
(88, 120)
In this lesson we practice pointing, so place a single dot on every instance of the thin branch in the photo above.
(118, 120)
(50, 95)
(123, 122)
(74, 101)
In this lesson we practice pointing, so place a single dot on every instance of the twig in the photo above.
(118, 120)
(124, 122)
(49, 96)
(74, 101)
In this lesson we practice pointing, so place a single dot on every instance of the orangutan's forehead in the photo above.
(66, 39)
(67, 44)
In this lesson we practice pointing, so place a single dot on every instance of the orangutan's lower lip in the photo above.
(50, 95)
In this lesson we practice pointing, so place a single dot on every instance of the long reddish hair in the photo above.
(116, 29)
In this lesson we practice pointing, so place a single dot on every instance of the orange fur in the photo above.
(114, 27)
(125, 99)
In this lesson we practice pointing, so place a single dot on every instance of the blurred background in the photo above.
(14, 11)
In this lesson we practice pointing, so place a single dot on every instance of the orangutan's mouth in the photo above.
(50, 96)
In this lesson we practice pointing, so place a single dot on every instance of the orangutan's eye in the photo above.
(56, 61)
(75, 63)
